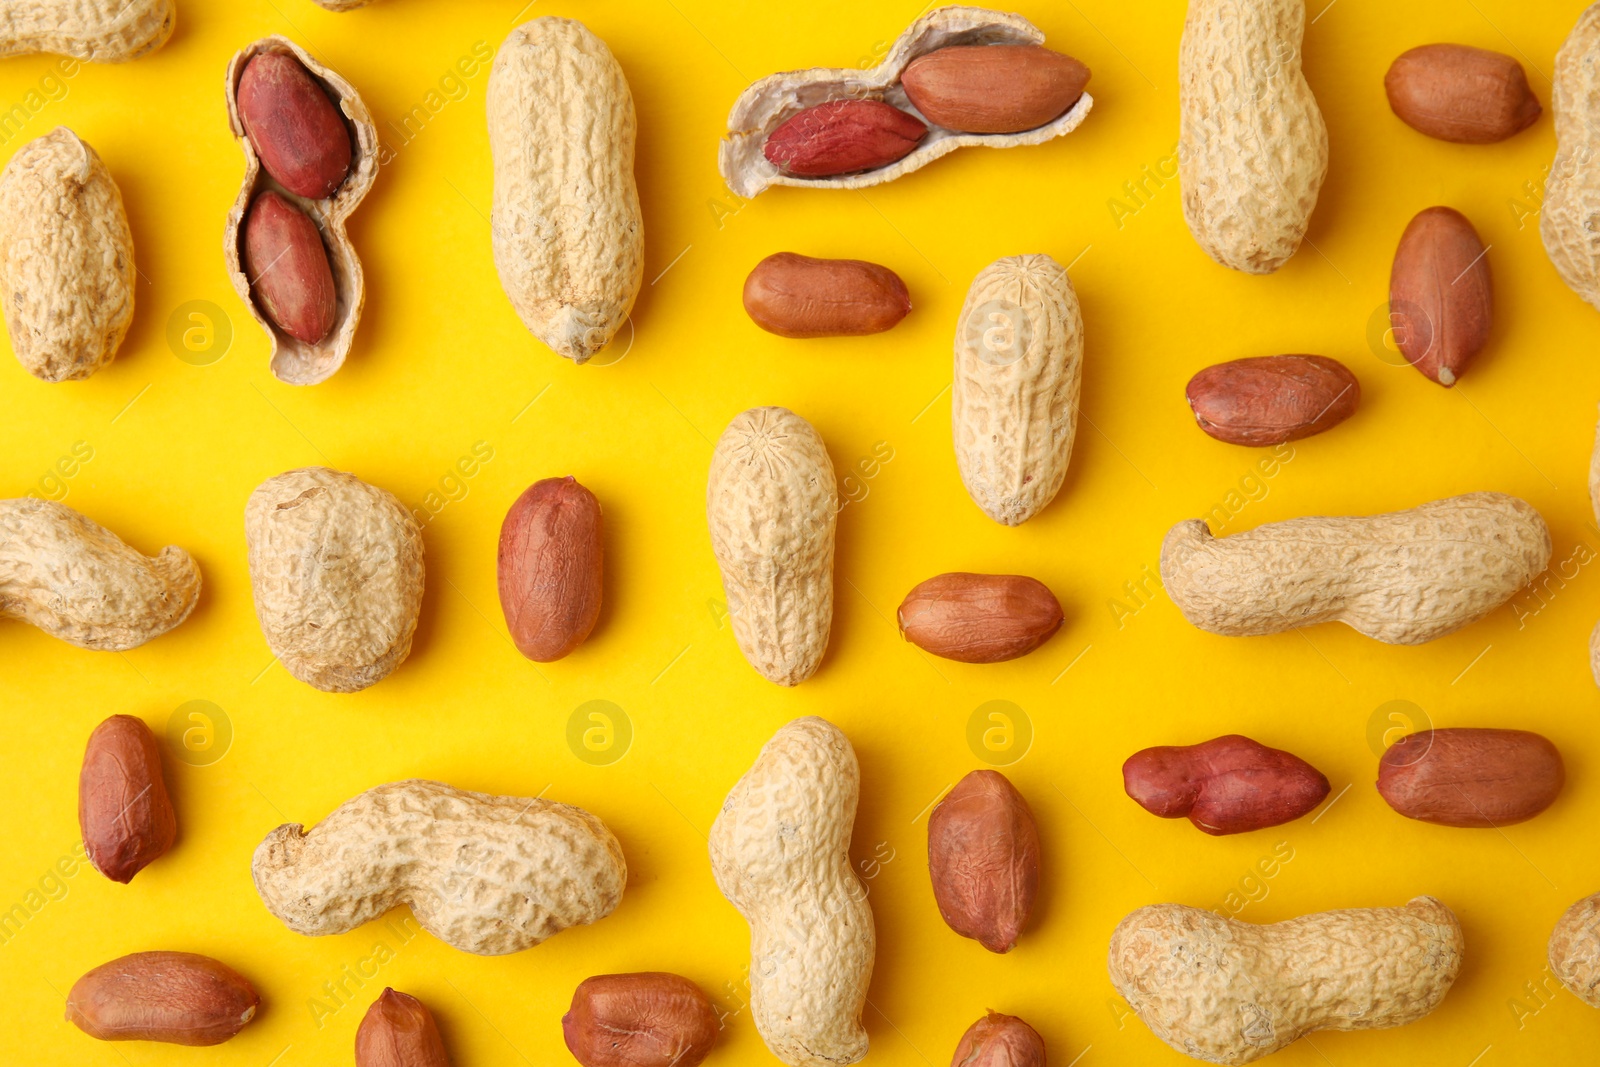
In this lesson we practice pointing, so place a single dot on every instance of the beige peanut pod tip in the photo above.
(1252, 146)
(336, 568)
(78, 581)
(1569, 217)
(568, 239)
(772, 503)
(1014, 404)
(1226, 991)
(1575, 950)
(101, 31)
(780, 852)
(484, 874)
(1403, 578)
(66, 258)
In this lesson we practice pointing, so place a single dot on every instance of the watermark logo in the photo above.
(999, 733)
(998, 331)
(1394, 720)
(614, 352)
(199, 733)
(199, 332)
(599, 732)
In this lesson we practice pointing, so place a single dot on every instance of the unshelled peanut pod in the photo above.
(1569, 215)
(101, 31)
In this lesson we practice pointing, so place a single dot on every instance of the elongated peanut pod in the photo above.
(1574, 950)
(101, 31)
(1569, 216)
(78, 581)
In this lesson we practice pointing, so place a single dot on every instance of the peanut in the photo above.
(1440, 297)
(780, 853)
(1402, 578)
(293, 126)
(993, 88)
(999, 1041)
(79, 582)
(771, 503)
(983, 858)
(650, 1019)
(1228, 785)
(1574, 951)
(398, 1031)
(1252, 146)
(1569, 215)
(568, 240)
(1471, 777)
(1267, 400)
(290, 277)
(1018, 372)
(1458, 93)
(66, 258)
(796, 296)
(124, 812)
(842, 137)
(484, 874)
(177, 997)
(336, 569)
(101, 31)
(979, 618)
(549, 565)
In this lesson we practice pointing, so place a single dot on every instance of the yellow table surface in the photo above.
(164, 449)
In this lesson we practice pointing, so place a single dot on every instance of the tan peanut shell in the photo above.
(780, 853)
(1569, 217)
(101, 31)
(337, 571)
(772, 504)
(568, 238)
(1252, 146)
(66, 258)
(484, 874)
(1574, 950)
(768, 103)
(1226, 991)
(1018, 372)
(292, 360)
(76, 580)
(1402, 578)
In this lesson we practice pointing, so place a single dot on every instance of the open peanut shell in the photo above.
(294, 361)
(764, 106)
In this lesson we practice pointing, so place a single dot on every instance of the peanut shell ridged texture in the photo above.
(66, 258)
(772, 504)
(78, 581)
(101, 31)
(568, 239)
(1403, 578)
(177, 997)
(1226, 991)
(485, 874)
(1018, 372)
(1575, 950)
(1252, 146)
(780, 853)
(1569, 216)
(336, 568)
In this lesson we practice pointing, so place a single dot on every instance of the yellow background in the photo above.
(441, 365)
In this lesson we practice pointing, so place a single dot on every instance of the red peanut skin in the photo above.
(993, 88)
(288, 269)
(398, 1031)
(550, 568)
(1441, 299)
(999, 1041)
(1228, 785)
(842, 137)
(1471, 777)
(1455, 92)
(1267, 400)
(797, 296)
(124, 811)
(650, 1019)
(983, 859)
(177, 997)
(979, 618)
(295, 128)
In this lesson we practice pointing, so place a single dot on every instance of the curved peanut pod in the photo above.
(1018, 372)
(568, 239)
(1575, 950)
(1226, 991)
(1403, 578)
(780, 853)
(772, 503)
(66, 258)
(1252, 146)
(76, 580)
(484, 874)
(101, 31)
(1569, 216)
